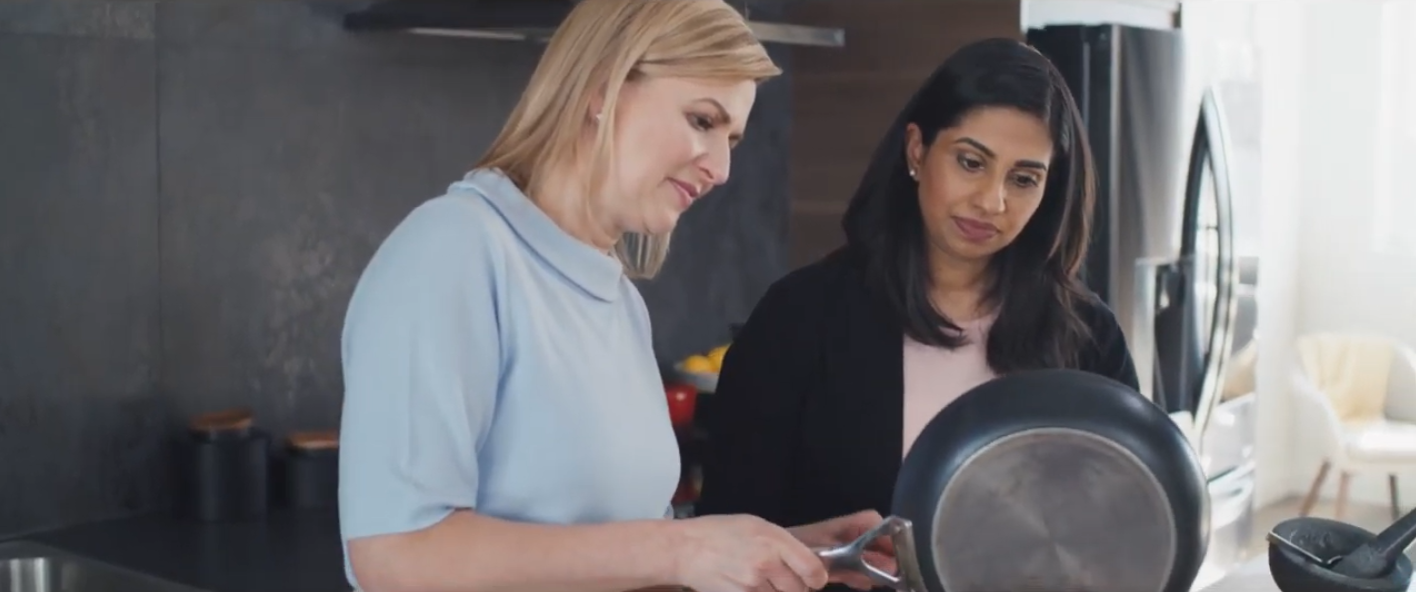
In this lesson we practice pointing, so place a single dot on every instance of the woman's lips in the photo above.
(975, 230)
(687, 193)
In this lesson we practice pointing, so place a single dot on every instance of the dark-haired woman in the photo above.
(963, 245)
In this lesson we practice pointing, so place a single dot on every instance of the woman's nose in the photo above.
(993, 198)
(717, 164)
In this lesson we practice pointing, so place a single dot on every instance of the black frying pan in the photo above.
(1048, 480)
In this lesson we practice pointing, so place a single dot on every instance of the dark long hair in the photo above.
(1034, 280)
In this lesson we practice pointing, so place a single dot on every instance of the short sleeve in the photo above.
(421, 355)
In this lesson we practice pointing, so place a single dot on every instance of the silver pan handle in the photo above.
(852, 556)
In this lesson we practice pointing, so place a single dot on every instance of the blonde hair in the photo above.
(602, 45)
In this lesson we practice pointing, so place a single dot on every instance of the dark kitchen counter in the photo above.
(290, 551)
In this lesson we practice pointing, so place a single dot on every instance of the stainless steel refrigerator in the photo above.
(1163, 253)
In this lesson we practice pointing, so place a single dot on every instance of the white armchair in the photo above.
(1361, 389)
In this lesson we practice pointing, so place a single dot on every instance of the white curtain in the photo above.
(1336, 177)
(1355, 237)
(1394, 210)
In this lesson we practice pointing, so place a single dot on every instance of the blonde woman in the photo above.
(504, 424)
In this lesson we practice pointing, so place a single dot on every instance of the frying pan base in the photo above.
(1077, 512)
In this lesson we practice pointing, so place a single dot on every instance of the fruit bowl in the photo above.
(701, 369)
(705, 382)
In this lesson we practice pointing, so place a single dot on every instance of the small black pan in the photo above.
(1310, 554)
(1056, 480)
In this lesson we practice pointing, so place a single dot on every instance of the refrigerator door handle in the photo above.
(1143, 313)
(1210, 156)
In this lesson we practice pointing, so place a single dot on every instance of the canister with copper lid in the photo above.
(312, 469)
(223, 468)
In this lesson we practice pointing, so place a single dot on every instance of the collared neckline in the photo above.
(594, 271)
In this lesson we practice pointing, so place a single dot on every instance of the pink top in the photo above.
(935, 376)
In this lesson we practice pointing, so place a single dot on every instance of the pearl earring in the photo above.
(912, 173)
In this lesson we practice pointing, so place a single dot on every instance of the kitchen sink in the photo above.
(31, 567)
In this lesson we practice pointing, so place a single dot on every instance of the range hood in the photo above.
(532, 20)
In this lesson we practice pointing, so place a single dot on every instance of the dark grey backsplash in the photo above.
(188, 192)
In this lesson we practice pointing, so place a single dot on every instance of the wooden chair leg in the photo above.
(1343, 480)
(1395, 503)
(1312, 497)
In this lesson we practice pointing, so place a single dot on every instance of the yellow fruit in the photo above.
(715, 355)
(698, 364)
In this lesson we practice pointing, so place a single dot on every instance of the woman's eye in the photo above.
(700, 122)
(1025, 181)
(970, 164)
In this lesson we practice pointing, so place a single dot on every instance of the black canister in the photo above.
(223, 469)
(312, 470)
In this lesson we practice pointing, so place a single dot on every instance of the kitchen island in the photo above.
(299, 551)
(288, 551)
(1250, 576)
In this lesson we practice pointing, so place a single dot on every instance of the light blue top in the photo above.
(494, 362)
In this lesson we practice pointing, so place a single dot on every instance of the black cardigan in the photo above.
(807, 420)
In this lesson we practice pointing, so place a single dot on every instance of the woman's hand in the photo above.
(743, 554)
(845, 529)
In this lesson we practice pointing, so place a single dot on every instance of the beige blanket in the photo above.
(1352, 370)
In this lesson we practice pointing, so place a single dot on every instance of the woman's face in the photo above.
(980, 181)
(673, 139)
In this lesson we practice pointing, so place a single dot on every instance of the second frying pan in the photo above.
(1056, 480)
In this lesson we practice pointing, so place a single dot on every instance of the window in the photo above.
(1395, 195)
